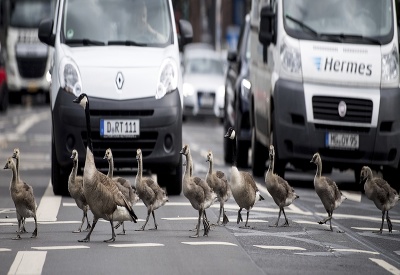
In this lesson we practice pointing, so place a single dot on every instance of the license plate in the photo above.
(119, 128)
(342, 140)
(206, 100)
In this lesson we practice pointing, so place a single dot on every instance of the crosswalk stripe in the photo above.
(370, 229)
(278, 247)
(210, 243)
(62, 247)
(355, 251)
(4, 249)
(390, 268)
(49, 206)
(28, 262)
(136, 245)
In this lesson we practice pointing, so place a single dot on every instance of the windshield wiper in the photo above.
(84, 42)
(303, 25)
(126, 43)
(342, 37)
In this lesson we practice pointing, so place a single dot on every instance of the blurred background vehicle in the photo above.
(237, 89)
(203, 81)
(3, 84)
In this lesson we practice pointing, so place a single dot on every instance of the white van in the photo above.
(325, 78)
(124, 54)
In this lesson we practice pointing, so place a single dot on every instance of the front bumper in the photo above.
(160, 131)
(298, 139)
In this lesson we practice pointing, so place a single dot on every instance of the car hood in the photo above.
(204, 82)
(119, 72)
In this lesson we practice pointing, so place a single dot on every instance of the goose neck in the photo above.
(110, 173)
(210, 167)
(319, 168)
(88, 127)
(140, 171)
(271, 163)
(234, 160)
(15, 176)
(75, 168)
(188, 168)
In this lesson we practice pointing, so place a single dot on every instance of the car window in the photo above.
(204, 66)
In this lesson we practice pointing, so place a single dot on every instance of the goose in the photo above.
(124, 185)
(380, 192)
(22, 195)
(282, 193)
(243, 186)
(16, 156)
(197, 191)
(219, 183)
(75, 189)
(327, 191)
(152, 195)
(102, 194)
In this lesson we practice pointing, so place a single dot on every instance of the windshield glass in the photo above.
(29, 13)
(117, 22)
(362, 18)
(204, 66)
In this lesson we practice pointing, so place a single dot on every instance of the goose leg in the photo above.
(147, 219)
(123, 232)
(80, 228)
(155, 223)
(239, 218)
(286, 224)
(112, 234)
(206, 224)
(34, 234)
(221, 207)
(87, 238)
(247, 219)
(225, 219)
(279, 216)
(87, 221)
(389, 222)
(383, 219)
(198, 224)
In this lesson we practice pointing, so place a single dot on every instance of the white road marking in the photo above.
(352, 195)
(65, 247)
(28, 262)
(69, 204)
(49, 206)
(397, 252)
(277, 247)
(355, 251)
(210, 243)
(29, 122)
(371, 229)
(60, 222)
(357, 217)
(180, 218)
(4, 249)
(390, 268)
(136, 245)
(8, 224)
(311, 222)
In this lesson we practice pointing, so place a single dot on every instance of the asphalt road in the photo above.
(305, 247)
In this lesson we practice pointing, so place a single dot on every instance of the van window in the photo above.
(29, 13)
(366, 18)
(117, 22)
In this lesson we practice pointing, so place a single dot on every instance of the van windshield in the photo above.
(117, 22)
(29, 13)
(340, 20)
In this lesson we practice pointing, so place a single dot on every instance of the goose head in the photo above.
(108, 156)
(82, 100)
(209, 156)
(138, 154)
(74, 155)
(316, 158)
(10, 163)
(15, 154)
(185, 150)
(230, 133)
(271, 151)
(365, 174)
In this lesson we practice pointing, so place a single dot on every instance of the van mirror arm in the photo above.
(186, 33)
(45, 32)
(267, 30)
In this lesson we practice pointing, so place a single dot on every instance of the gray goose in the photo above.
(380, 192)
(16, 156)
(102, 194)
(327, 191)
(243, 186)
(22, 195)
(219, 184)
(152, 195)
(282, 193)
(197, 191)
(124, 185)
(75, 189)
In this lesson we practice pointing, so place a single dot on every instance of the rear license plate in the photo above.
(119, 128)
(206, 100)
(342, 140)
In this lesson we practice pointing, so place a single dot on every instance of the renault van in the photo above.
(124, 54)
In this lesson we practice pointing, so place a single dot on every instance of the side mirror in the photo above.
(232, 56)
(45, 32)
(186, 33)
(267, 33)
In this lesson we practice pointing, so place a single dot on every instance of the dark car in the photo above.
(3, 84)
(237, 89)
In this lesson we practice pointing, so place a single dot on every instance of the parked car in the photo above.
(3, 84)
(237, 89)
(203, 81)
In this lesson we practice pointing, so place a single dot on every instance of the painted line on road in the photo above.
(355, 251)
(210, 243)
(397, 252)
(371, 229)
(60, 222)
(4, 249)
(180, 218)
(312, 222)
(127, 245)
(28, 262)
(63, 247)
(28, 122)
(353, 196)
(390, 268)
(358, 217)
(49, 206)
(278, 247)
(8, 224)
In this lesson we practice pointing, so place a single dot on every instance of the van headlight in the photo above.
(167, 78)
(188, 89)
(390, 68)
(69, 76)
(290, 60)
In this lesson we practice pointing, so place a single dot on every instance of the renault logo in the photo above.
(342, 108)
(119, 80)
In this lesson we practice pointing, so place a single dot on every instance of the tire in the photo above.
(15, 98)
(258, 156)
(59, 175)
(242, 154)
(4, 98)
(391, 175)
(172, 181)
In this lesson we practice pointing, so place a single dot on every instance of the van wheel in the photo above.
(258, 155)
(172, 181)
(3, 98)
(59, 175)
(391, 175)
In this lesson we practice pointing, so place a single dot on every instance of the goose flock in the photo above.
(112, 198)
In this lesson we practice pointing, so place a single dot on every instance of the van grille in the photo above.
(31, 67)
(121, 113)
(358, 110)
